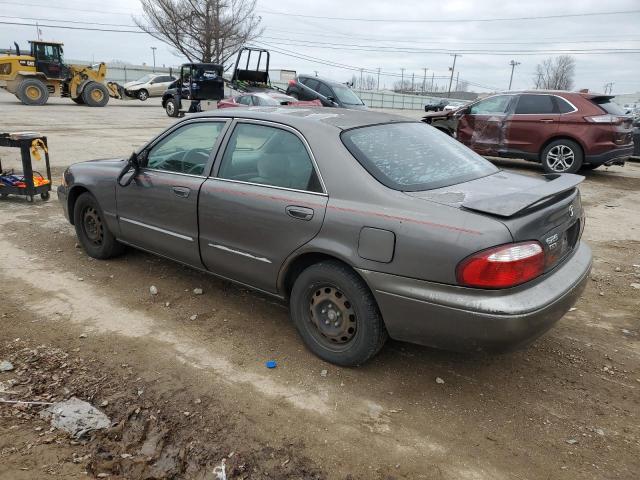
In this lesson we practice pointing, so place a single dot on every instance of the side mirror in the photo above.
(130, 170)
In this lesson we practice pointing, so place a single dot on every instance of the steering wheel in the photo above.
(197, 156)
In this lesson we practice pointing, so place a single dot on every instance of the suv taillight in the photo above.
(610, 119)
(502, 267)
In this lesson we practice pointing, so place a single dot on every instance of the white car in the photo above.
(151, 85)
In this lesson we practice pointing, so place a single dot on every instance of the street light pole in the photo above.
(153, 49)
(454, 55)
(513, 64)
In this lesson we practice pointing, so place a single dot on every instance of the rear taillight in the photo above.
(292, 82)
(610, 119)
(502, 267)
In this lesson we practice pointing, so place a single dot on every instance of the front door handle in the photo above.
(301, 213)
(546, 120)
(182, 192)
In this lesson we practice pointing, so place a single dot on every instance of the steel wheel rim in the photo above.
(560, 158)
(33, 92)
(332, 319)
(97, 95)
(92, 226)
(170, 108)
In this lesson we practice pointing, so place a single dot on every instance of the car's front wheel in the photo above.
(143, 94)
(91, 229)
(336, 314)
(562, 156)
(172, 108)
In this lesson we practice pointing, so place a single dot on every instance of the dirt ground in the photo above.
(182, 376)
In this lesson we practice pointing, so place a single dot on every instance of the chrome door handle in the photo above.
(182, 192)
(300, 213)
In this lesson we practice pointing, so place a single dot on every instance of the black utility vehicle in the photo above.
(329, 92)
(197, 82)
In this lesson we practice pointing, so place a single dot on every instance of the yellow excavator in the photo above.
(34, 77)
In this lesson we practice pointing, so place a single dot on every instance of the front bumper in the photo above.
(467, 319)
(617, 156)
(63, 199)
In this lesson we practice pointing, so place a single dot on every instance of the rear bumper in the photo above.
(467, 319)
(63, 199)
(617, 156)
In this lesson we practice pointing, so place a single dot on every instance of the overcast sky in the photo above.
(362, 44)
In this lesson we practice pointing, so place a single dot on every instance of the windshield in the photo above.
(346, 95)
(414, 156)
(145, 79)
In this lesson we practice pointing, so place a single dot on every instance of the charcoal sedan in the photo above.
(368, 224)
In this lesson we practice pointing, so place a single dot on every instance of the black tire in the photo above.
(32, 91)
(95, 94)
(562, 156)
(358, 332)
(172, 108)
(45, 196)
(92, 231)
(79, 100)
(142, 94)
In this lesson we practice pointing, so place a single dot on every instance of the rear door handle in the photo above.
(301, 213)
(547, 120)
(182, 192)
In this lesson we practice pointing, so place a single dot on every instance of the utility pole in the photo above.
(153, 49)
(454, 55)
(413, 88)
(424, 79)
(38, 30)
(432, 77)
(513, 64)
(378, 85)
(402, 81)
(539, 82)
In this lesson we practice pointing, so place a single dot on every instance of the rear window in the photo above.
(414, 156)
(608, 105)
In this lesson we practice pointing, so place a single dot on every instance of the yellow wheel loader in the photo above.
(34, 77)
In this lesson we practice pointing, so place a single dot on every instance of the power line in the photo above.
(67, 27)
(458, 20)
(22, 4)
(71, 21)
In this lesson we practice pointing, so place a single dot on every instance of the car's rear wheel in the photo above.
(92, 231)
(32, 91)
(562, 156)
(336, 314)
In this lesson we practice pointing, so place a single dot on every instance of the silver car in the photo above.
(368, 224)
(151, 85)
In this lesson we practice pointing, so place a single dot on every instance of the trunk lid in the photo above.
(544, 208)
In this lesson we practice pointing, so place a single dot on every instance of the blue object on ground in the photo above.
(271, 364)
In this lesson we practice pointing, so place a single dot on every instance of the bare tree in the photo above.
(201, 30)
(555, 73)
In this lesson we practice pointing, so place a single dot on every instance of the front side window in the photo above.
(323, 89)
(535, 105)
(414, 156)
(268, 156)
(491, 106)
(145, 79)
(185, 150)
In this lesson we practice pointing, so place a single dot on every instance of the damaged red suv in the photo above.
(564, 131)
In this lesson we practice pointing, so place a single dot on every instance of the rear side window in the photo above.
(414, 156)
(608, 105)
(311, 83)
(535, 104)
(563, 105)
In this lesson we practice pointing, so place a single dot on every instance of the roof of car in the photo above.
(560, 92)
(323, 79)
(310, 117)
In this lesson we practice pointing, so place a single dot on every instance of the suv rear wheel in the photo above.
(562, 156)
(336, 314)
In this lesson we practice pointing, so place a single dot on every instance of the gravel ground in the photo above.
(186, 393)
